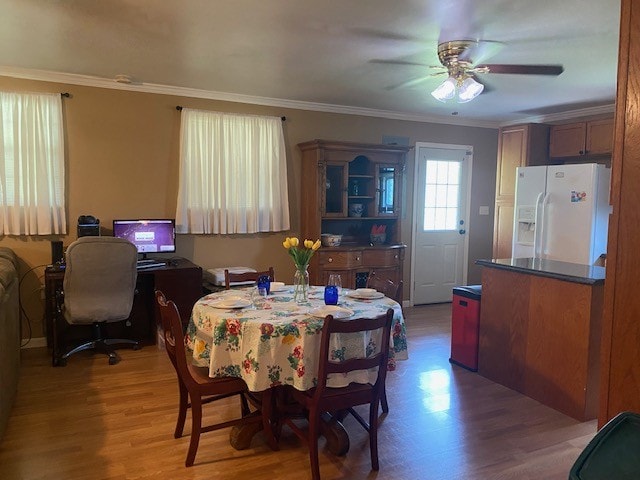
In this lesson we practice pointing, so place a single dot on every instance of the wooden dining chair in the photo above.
(392, 290)
(230, 277)
(323, 398)
(194, 384)
(387, 286)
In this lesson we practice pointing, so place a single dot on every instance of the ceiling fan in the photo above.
(460, 60)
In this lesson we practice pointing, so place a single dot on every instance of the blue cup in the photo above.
(331, 295)
(264, 282)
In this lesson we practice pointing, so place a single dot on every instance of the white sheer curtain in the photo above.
(233, 174)
(31, 164)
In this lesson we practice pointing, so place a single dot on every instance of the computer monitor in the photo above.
(148, 235)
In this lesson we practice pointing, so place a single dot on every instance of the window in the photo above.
(441, 195)
(233, 174)
(31, 164)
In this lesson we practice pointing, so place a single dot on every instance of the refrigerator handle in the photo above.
(543, 223)
(538, 220)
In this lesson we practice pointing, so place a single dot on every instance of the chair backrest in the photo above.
(387, 286)
(360, 325)
(100, 280)
(230, 278)
(173, 336)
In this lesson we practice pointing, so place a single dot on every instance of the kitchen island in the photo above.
(540, 329)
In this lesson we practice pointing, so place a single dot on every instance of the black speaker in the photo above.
(57, 253)
(88, 226)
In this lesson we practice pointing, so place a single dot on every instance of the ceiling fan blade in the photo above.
(410, 83)
(480, 51)
(375, 34)
(524, 69)
(396, 62)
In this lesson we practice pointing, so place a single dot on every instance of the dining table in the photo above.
(272, 341)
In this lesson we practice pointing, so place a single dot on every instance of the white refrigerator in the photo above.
(562, 212)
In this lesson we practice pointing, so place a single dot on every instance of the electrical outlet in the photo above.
(484, 210)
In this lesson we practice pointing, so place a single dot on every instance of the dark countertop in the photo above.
(569, 272)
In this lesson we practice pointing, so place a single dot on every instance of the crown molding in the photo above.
(568, 115)
(99, 82)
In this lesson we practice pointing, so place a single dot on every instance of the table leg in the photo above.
(331, 427)
(240, 436)
(334, 432)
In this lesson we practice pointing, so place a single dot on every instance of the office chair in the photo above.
(194, 384)
(98, 288)
(322, 398)
(231, 278)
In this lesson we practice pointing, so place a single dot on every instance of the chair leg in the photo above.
(196, 425)
(244, 405)
(373, 434)
(101, 346)
(85, 346)
(383, 400)
(314, 431)
(182, 409)
(269, 423)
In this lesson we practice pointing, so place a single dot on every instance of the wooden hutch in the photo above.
(337, 175)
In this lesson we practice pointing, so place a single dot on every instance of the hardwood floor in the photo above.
(90, 420)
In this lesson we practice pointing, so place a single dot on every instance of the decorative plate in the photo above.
(365, 295)
(337, 312)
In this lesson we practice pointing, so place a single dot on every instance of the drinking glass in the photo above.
(336, 280)
(259, 297)
(264, 282)
(331, 295)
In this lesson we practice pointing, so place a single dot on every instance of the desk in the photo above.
(277, 345)
(181, 282)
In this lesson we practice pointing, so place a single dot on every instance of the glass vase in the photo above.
(301, 284)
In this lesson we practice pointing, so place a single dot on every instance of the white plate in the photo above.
(365, 296)
(337, 312)
(278, 287)
(232, 302)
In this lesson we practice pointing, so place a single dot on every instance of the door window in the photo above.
(442, 193)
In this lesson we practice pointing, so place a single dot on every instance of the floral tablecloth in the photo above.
(278, 344)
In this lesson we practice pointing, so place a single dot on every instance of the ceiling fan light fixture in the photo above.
(469, 89)
(446, 90)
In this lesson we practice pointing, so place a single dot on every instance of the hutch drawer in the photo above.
(338, 260)
(382, 258)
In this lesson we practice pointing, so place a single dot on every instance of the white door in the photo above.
(439, 252)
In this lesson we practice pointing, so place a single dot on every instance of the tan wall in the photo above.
(122, 162)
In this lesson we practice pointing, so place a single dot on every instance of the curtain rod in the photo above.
(66, 94)
(179, 107)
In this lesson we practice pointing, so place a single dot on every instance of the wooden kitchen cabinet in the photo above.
(581, 139)
(354, 264)
(518, 146)
(539, 332)
(335, 177)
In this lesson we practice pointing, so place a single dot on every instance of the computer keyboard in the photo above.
(146, 261)
(155, 264)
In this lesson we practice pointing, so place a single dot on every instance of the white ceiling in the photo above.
(328, 55)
